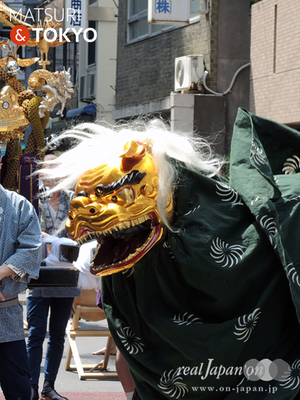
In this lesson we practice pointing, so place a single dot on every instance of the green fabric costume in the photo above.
(223, 289)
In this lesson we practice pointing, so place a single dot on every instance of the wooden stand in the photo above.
(85, 308)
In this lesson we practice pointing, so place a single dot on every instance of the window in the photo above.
(91, 57)
(138, 27)
(195, 7)
(137, 19)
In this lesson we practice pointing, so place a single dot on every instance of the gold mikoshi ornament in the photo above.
(12, 119)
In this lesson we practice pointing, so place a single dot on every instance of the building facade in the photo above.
(98, 60)
(220, 32)
(275, 63)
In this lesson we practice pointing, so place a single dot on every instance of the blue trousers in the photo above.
(14, 371)
(37, 317)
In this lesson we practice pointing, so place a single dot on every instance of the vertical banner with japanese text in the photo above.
(76, 14)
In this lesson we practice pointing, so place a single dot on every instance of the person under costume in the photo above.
(57, 300)
(201, 285)
(88, 281)
(20, 253)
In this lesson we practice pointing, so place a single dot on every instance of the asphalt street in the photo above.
(68, 382)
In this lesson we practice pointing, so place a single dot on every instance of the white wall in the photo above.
(104, 13)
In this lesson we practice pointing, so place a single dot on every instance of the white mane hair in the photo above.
(96, 144)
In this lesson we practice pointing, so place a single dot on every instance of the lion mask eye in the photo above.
(125, 195)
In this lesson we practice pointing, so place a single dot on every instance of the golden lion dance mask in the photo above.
(116, 203)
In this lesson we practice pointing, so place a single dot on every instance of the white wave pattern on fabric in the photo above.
(292, 165)
(227, 193)
(268, 224)
(171, 384)
(225, 254)
(186, 319)
(193, 210)
(257, 154)
(291, 378)
(132, 343)
(293, 274)
(246, 324)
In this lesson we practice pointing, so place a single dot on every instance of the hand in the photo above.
(4, 271)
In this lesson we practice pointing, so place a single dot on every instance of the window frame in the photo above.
(89, 44)
(135, 18)
(144, 13)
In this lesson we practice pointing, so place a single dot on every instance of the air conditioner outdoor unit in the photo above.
(91, 86)
(188, 69)
(87, 87)
(83, 87)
